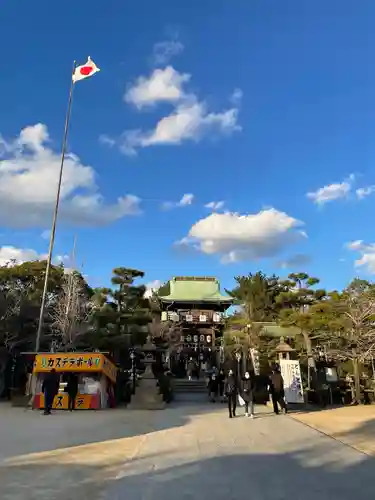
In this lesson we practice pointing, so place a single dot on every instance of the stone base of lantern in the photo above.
(147, 396)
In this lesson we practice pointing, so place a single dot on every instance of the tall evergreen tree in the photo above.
(256, 294)
(296, 300)
(121, 314)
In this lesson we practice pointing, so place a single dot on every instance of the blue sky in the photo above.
(266, 105)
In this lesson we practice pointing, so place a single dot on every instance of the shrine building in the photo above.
(195, 308)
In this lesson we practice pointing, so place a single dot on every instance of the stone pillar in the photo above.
(147, 395)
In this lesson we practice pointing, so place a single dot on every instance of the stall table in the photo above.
(95, 369)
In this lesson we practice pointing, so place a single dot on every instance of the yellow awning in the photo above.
(75, 362)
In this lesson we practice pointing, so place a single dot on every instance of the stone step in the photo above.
(186, 381)
(194, 390)
(189, 386)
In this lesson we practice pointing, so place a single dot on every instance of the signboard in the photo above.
(222, 355)
(255, 360)
(72, 361)
(331, 375)
(60, 402)
(175, 317)
(75, 362)
(291, 373)
(109, 369)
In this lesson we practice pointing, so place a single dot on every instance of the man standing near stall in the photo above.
(72, 390)
(50, 388)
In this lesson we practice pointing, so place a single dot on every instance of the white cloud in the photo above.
(295, 261)
(187, 199)
(107, 141)
(164, 51)
(190, 119)
(332, 192)
(355, 245)
(215, 205)
(163, 85)
(46, 235)
(238, 237)
(9, 254)
(366, 252)
(365, 191)
(236, 97)
(152, 287)
(29, 171)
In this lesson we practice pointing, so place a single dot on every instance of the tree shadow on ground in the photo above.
(24, 432)
(309, 474)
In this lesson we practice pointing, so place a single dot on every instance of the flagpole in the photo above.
(55, 214)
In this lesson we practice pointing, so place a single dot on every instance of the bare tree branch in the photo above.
(71, 310)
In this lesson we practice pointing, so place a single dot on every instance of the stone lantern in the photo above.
(283, 350)
(147, 396)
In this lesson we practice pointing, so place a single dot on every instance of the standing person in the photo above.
(191, 367)
(213, 386)
(204, 367)
(72, 390)
(276, 387)
(248, 389)
(50, 388)
(230, 390)
(221, 379)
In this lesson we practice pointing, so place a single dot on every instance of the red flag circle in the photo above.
(86, 70)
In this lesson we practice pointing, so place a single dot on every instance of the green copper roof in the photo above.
(194, 289)
(273, 330)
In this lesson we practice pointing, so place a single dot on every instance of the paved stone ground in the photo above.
(185, 452)
(353, 425)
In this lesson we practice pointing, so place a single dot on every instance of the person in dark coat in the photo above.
(276, 388)
(247, 393)
(72, 390)
(213, 387)
(191, 368)
(50, 388)
(221, 380)
(231, 391)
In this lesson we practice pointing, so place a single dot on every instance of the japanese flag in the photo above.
(84, 71)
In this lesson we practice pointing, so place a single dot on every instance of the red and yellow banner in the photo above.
(60, 402)
(75, 362)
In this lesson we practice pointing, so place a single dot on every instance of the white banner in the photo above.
(255, 360)
(291, 373)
